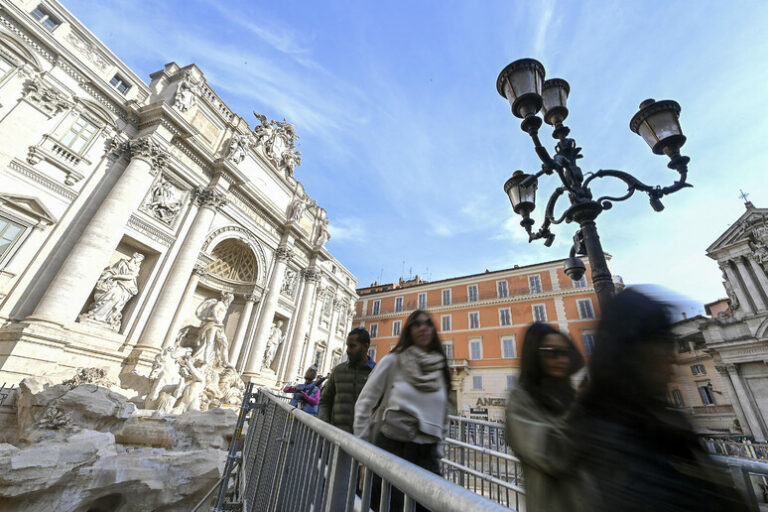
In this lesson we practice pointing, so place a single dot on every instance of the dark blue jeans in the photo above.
(423, 455)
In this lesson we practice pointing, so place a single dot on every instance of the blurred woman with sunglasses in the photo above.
(535, 425)
(403, 407)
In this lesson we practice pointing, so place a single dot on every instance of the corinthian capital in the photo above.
(209, 197)
(150, 151)
(311, 274)
(284, 253)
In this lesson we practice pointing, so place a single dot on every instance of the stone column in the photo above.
(735, 283)
(337, 305)
(725, 379)
(242, 328)
(762, 279)
(157, 332)
(311, 277)
(746, 405)
(73, 283)
(757, 299)
(255, 358)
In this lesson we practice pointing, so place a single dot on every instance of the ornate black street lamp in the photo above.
(657, 122)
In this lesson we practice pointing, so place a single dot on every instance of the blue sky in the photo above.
(407, 144)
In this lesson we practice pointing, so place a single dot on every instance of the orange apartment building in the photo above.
(481, 320)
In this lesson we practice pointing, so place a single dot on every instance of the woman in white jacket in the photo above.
(410, 386)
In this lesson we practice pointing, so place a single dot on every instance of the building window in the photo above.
(373, 330)
(501, 289)
(398, 304)
(477, 382)
(422, 301)
(534, 283)
(448, 349)
(580, 283)
(683, 346)
(677, 398)
(396, 328)
(372, 353)
(588, 340)
(707, 396)
(508, 349)
(376, 307)
(475, 349)
(446, 297)
(474, 320)
(472, 293)
(319, 353)
(42, 15)
(445, 322)
(10, 234)
(511, 381)
(698, 369)
(505, 316)
(79, 135)
(539, 313)
(120, 84)
(585, 308)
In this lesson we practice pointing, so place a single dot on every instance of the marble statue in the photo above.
(273, 343)
(185, 95)
(291, 160)
(166, 379)
(731, 294)
(323, 234)
(117, 284)
(211, 341)
(297, 208)
(237, 148)
(165, 201)
(277, 140)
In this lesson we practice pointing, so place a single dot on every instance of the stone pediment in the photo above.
(29, 206)
(743, 230)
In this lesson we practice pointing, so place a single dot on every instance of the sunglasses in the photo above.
(554, 352)
(419, 323)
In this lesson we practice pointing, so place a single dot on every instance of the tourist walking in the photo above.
(306, 396)
(338, 397)
(403, 407)
(535, 426)
(638, 453)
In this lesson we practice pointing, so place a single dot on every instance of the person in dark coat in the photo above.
(339, 395)
(535, 426)
(636, 452)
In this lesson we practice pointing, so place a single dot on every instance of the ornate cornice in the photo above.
(149, 151)
(44, 97)
(24, 170)
(209, 197)
(151, 231)
(252, 297)
(200, 270)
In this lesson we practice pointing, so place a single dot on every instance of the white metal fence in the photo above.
(291, 461)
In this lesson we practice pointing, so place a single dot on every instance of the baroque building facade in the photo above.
(737, 336)
(147, 227)
(481, 320)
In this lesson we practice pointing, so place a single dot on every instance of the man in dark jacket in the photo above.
(337, 401)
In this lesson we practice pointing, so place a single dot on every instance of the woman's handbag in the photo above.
(377, 414)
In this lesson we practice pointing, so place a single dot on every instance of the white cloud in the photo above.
(347, 229)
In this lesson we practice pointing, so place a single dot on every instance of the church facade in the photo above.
(148, 228)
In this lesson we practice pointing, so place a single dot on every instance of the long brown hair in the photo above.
(406, 340)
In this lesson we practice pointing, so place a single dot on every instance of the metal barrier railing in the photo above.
(294, 461)
(477, 459)
(742, 449)
(752, 475)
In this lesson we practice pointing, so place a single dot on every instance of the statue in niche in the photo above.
(165, 201)
(289, 282)
(212, 343)
(276, 337)
(185, 95)
(117, 284)
(238, 145)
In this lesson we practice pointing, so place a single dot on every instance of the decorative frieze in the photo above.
(22, 169)
(44, 97)
(89, 51)
(164, 201)
(151, 231)
(289, 283)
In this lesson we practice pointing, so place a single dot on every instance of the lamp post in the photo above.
(657, 122)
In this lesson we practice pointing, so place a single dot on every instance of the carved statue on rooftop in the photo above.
(277, 140)
(759, 245)
(323, 233)
(297, 208)
(731, 293)
(186, 94)
(238, 146)
(117, 284)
